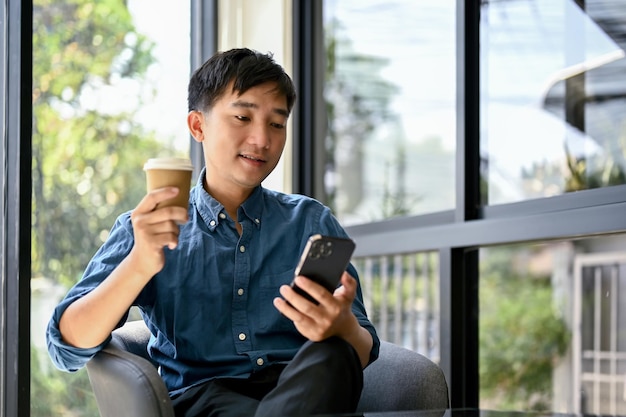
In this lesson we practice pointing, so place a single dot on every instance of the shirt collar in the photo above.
(212, 211)
(253, 206)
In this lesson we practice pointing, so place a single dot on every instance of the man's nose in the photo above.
(260, 136)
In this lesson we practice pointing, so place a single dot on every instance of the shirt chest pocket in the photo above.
(269, 318)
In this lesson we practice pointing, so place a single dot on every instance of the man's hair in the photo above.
(245, 68)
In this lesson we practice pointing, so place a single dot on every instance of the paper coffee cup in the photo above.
(170, 172)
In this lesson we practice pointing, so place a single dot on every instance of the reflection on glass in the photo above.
(109, 92)
(390, 97)
(550, 320)
(553, 100)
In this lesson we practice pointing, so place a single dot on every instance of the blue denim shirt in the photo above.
(210, 308)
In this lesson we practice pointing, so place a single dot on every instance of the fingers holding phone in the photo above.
(322, 298)
(330, 315)
(313, 301)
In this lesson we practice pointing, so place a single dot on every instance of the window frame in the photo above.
(203, 43)
(15, 177)
(456, 234)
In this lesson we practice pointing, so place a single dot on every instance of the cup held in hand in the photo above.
(170, 172)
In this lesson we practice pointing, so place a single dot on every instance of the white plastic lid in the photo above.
(168, 163)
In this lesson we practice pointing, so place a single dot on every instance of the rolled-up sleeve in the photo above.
(67, 357)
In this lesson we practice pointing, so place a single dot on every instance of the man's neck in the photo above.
(231, 199)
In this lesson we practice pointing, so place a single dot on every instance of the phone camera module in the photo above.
(321, 250)
(326, 249)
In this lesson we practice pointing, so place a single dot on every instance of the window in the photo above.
(553, 102)
(109, 91)
(390, 99)
(536, 168)
(549, 320)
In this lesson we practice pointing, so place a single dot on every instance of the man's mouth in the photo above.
(252, 158)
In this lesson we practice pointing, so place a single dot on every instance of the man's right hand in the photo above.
(155, 229)
(89, 320)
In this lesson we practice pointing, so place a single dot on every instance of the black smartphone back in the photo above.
(324, 259)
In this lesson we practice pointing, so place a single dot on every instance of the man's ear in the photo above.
(195, 121)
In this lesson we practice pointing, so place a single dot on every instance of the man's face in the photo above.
(243, 137)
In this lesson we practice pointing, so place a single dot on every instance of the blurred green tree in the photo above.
(87, 159)
(522, 336)
(87, 156)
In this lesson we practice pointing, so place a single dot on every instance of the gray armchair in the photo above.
(126, 383)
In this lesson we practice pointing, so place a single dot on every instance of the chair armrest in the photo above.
(125, 384)
(401, 379)
(133, 337)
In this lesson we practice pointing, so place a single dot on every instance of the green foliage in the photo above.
(56, 393)
(577, 172)
(582, 176)
(87, 159)
(86, 162)
(521, 336)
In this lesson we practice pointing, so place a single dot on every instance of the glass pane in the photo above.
(550, 320)
(109, 92)
(390, 94)
(553, 104)
(401, 296)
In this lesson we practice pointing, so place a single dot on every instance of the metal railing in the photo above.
(401, 295)
(599, 342)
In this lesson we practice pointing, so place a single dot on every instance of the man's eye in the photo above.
(278, 125)
(242, 118)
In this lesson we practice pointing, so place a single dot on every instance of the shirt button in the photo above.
(242, 336)
(242, 248)
(240, 291)
(257, 221)
(222, 216)
(260, 361)
(212, 222)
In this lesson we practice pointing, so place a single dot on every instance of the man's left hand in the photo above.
(331, 317)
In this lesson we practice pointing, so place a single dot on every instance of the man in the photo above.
(231, 337)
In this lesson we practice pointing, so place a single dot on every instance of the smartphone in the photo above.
(323, 260)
